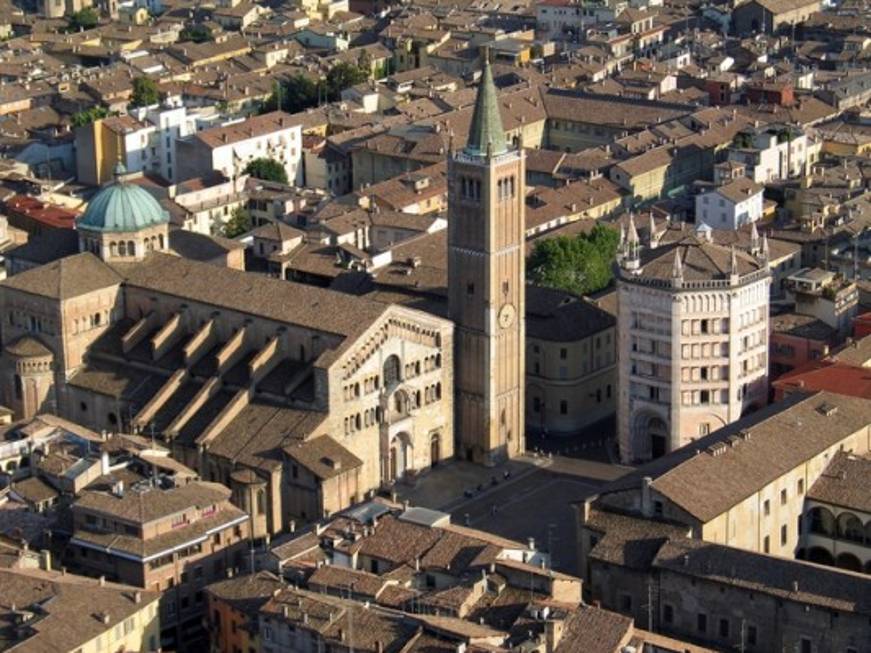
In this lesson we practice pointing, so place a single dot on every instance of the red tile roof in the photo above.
(38, 211)
(827, 375)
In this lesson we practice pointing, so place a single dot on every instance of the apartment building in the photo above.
(735, 203)
(230, 148)
(772, 152)
(45, 610)
(162, 537)
(143, 140)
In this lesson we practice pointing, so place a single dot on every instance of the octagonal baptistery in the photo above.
(123, 222)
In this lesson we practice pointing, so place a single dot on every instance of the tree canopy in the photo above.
(86, 18)
(300, 92)
(267, 169)
(580, 264)
(238, 224)
(196, 33)
(145, 92)
(344, 75)
(87, 116)
(296, 94)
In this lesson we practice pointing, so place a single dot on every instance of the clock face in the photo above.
(506, 315)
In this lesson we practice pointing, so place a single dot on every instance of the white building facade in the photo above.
(231, 147)
(775, 152)
(692, 341)
(730, 206)
(163, 125)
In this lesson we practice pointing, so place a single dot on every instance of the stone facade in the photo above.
(692, 342)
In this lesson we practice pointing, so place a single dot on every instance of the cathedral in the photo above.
(301, 399)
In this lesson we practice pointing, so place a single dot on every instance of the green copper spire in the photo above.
(486, 135)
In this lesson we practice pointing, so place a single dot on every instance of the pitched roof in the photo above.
(66, 619)
(707, 477)
(558, 316)
(152, 504)
(739, 189)
(294, 303)
(66, 278)
(846, 482)
(791, 580)
(827, 375)
(593, 630)
(323, 456)
(254, 127)
(28, 347)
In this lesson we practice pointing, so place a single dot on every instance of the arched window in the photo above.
(160, 240)
(131, 248)
(391, 371)
(850, 528)
(822, 521)
(113, 248)
(261, 502)
(96, 319)
(122, 248)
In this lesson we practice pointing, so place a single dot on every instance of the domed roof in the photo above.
(122, 207)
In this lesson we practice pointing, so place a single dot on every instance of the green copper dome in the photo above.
(486, 135)
(122, 207)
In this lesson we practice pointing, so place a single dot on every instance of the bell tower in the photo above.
(486, 291)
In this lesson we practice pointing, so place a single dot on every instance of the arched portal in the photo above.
(400, 456)
(435, 449)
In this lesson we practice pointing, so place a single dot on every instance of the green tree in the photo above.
(85, 19)
(238, 224)
(196, 33)
(296, 94)
(344, 75)
(145, 92)
(87, 116)
(364, 61)
(267, 169)
(580, 264)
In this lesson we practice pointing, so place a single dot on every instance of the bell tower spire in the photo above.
(486, 136)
